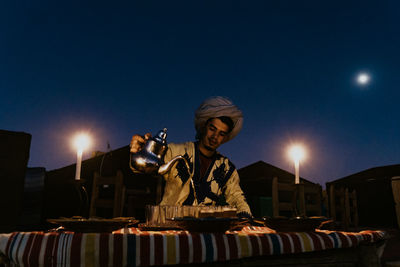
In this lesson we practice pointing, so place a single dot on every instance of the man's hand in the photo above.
(138, 142)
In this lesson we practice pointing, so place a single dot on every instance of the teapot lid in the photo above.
(161, 136)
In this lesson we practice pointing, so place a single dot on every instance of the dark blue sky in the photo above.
(115, 69)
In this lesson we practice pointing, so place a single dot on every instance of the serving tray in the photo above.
(152, 227)
(295, 224)
(93, 225)
(208, 224)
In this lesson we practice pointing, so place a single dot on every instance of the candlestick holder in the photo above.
(298, 202)
(83, 197)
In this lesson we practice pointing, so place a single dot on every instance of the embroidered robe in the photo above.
(219, 186)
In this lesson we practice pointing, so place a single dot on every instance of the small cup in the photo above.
(152, 214)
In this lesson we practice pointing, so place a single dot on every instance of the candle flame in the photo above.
(81, 141)
(297, 153)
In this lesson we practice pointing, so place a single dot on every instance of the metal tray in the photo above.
(148, 227)
(296, 224)
(93, 225)
(208, 224)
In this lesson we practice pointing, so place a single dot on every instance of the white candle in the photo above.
(81, 142)
(78, 164)
(296, 152)
(296, 167)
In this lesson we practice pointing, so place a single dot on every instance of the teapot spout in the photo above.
(167, 166)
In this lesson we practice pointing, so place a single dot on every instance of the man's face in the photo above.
(215, 134)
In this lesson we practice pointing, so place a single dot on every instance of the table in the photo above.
(132, 247)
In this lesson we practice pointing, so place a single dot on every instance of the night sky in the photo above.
(114, 69)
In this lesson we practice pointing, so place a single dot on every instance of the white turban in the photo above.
(218, 106)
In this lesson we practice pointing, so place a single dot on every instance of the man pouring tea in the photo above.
(209, 178)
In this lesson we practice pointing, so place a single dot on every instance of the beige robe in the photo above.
(222, 177)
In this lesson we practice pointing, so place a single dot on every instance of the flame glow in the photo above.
(81, 141)
(297, 153)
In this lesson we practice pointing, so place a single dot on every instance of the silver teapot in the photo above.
(150, 159)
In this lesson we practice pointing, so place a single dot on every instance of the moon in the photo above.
(363, 78)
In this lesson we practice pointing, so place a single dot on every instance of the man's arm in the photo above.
(235, 197)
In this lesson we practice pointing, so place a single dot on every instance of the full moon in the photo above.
(363, 78)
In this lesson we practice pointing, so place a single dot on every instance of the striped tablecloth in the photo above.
(132, 247)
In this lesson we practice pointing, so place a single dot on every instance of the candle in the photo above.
(78, 164)
(81, 142)
(296, 153)
(297, 176)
